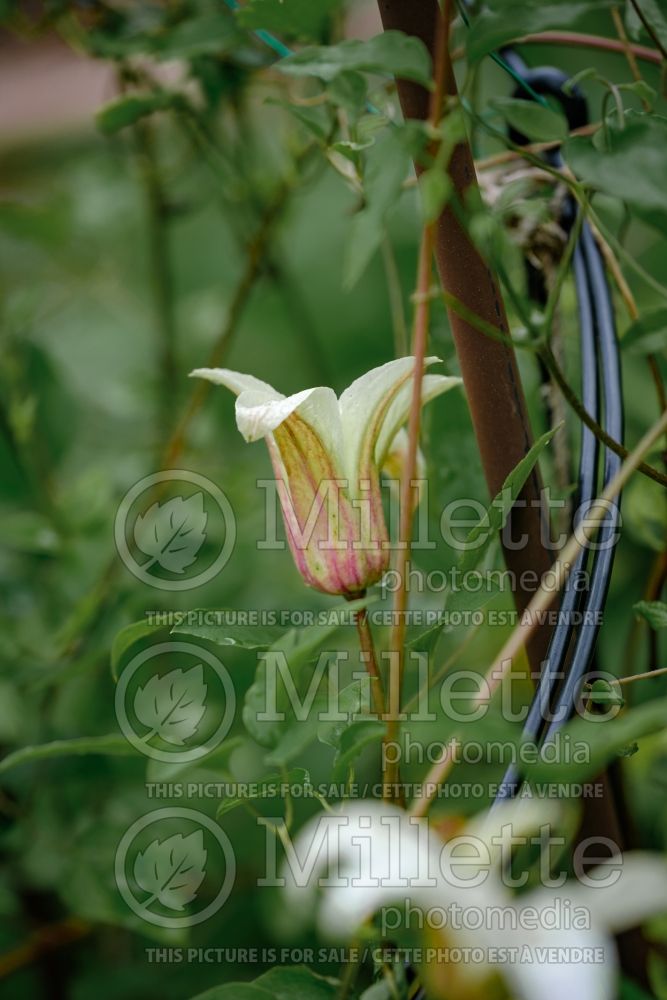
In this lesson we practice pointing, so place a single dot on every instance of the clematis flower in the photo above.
(378, 855)
(327, 454)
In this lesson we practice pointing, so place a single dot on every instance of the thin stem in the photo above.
(395, 297)
(546, 592)
(642, 52)
(547, 357)
(44, 939)
(441, 67)
(614, 269)
(510, 155)
(649, 28)
(479, 323)
(630, 57)
(434, 779)
(642, 677)
(561, 274)
(255, 255)
(158, 217)
(369, 659)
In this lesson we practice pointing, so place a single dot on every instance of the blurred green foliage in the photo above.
(228, 204)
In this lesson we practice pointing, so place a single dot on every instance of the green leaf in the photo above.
(352, 700)
(212, 34)
(657, 18)
(299, 646)
(300, 733)
(435, 188)
(378, 991)
(246, 636)
(645, 512)
(604, 739)
(295, 18)
(501, 21)
(126, 638)
(348, 91)
(236, 991)
(496, 515)
(641, 88)
(633, 23)
(456, 601)
(161, 770)
(263, 788)
(130, 109)
(387, 168)
(353, 740)
(114, 744)
(632, 169)
(537, 123)
(287, 983)
(463, 600)
(654, 612)
(298, 983)
(389, 53)
(316, 119)
(647, 334)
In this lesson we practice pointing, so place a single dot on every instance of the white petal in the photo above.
(514, 818)
(257, 416)
(362, 403)
(370, 415)
(236, 381)
(639, 893)
(383, 857)
(379, 856)
(541, 975)
(432, 386)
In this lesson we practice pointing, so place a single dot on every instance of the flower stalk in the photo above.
(419, 342)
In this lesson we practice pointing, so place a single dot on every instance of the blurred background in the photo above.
(215, 216)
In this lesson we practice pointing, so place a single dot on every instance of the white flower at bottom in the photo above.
(383, 856)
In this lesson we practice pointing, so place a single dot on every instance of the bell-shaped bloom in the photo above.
(547, 943)
(327, 455)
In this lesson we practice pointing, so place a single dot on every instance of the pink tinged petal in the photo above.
(338, 536)
(323, 528)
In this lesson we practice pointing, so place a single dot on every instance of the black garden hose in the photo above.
(554, 702)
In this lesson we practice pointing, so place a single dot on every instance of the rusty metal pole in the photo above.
(489, 368)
